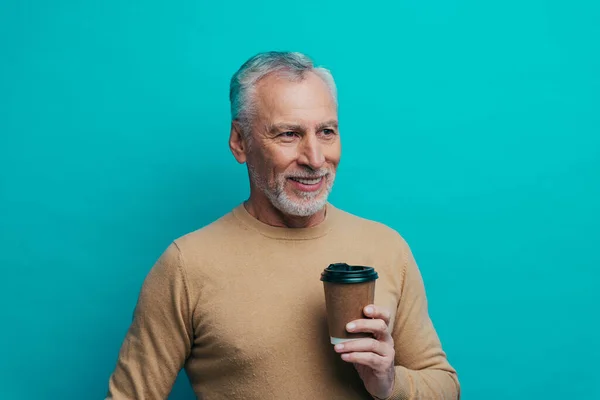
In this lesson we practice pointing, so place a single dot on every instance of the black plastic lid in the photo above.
(344, 273)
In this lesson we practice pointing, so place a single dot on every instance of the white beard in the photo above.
(310, 202)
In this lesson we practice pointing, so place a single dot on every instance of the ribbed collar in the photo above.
(277, 232)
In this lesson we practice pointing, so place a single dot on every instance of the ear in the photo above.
(237, 143)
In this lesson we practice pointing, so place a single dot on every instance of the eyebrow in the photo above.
(328, 124)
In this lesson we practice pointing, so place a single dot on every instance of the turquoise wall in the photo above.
(471, 127)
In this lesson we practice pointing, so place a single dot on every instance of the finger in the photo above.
(371, 360)
(377, 327)
(365, 345)
(372, 311)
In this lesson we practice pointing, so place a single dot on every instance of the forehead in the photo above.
(279, 99)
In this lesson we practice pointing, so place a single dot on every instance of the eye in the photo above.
(328, 131)
(289, 135)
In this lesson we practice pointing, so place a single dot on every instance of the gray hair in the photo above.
(292, 65)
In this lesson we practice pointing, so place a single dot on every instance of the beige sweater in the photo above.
(240, 305)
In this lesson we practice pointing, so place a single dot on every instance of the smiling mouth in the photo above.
(308, 181)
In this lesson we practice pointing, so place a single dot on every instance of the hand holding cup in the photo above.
(365, 342)
(373, 357)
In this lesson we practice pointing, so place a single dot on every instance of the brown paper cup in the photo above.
(348, 289)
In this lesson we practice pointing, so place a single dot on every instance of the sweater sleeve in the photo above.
(422, 369)
(159, 339)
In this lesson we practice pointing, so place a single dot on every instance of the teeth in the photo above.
(308, 181)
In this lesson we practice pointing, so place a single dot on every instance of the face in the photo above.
(295, 145)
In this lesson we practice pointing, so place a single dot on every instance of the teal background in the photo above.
(473, 128)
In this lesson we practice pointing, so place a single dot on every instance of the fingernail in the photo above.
(351, 326)
(369, 310)
(339, 346)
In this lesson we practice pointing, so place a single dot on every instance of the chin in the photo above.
(299, 207)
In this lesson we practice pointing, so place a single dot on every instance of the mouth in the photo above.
(307, 181)
(307, 184)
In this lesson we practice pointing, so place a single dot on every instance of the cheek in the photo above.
(333, 155)
(272, 170)
(283, 160)
(275, 160)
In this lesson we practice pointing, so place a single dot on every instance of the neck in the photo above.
(265, 212)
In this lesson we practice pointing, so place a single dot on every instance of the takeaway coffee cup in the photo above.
(348, 289)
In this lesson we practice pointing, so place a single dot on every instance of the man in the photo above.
(239, 302)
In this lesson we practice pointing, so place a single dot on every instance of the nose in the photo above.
(311, 153)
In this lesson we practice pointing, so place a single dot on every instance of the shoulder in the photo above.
(368, 229)
(375, 237)
(208, 237)
(192, 255)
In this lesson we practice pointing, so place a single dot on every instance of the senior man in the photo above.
(239, 302)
